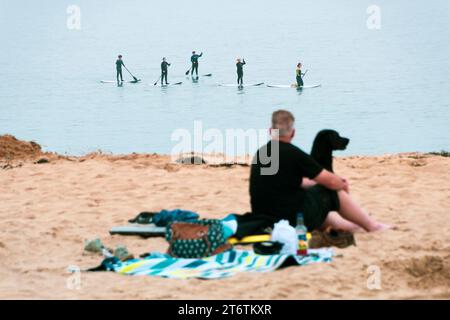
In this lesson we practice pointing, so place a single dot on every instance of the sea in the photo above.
(383, 67)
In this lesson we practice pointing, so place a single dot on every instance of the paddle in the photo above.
(187, 72)
(305, 73)
(157, 81)
(135, 79)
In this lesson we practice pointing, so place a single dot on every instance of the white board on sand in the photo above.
(139, 230)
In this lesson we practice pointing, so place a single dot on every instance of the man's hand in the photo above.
(331, 181)
(346, 186)
(307, 183)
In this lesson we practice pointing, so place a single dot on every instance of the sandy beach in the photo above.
(48, 209)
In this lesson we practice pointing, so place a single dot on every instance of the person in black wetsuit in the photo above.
(194, 60)
(119, 64)
(240, 71)
(164, 65)
(299, 75)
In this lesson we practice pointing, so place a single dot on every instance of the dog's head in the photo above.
(332, 139)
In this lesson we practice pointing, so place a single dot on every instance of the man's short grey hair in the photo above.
(283, 121)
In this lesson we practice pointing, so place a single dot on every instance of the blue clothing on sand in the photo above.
(164, 217)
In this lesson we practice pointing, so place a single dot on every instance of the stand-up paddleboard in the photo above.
(294, 86)
(240, 86)
(142, 230)
(197, 77)
(170, 84)
(112, 81)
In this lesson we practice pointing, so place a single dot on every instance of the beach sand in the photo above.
(47, 210)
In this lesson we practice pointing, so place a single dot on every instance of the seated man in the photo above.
(298, 183)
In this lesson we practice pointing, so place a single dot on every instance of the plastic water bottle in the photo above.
(301, 235)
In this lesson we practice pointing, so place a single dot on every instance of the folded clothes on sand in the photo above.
(164, 217)
(222, 265)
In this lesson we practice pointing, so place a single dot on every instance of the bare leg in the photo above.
(336, 222)
(351, 211)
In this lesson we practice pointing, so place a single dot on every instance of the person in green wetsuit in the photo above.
(119, 64)
(164, 65)
(194, 60)
(240, 71)
(299, 75)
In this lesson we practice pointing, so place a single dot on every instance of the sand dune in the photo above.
(47, 210)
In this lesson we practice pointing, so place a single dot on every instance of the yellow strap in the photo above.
(256, 238)
(250, 239)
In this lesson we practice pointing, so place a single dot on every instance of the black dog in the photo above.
(325, 142)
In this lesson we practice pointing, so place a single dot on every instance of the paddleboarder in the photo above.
(164, 65)
(240, 71)
(299, 75)
(194, 60)
(119, 64)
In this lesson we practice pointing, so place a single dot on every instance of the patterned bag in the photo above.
(197, 239)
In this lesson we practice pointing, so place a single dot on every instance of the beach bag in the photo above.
(199, 239)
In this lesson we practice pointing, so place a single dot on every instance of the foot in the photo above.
(382, 226)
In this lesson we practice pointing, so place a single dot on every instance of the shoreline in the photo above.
(32, 150)
(29, 151)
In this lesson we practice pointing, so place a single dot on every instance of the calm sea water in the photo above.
(388, 89)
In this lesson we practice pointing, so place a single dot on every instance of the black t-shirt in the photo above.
(279, 195)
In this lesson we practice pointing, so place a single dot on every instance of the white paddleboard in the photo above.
(245, 85)
(170, 84)
(112, 81)
(294, 86)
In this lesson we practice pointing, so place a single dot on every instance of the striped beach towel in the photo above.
(222, 265)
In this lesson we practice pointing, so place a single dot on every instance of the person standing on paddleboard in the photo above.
(119, 64)
(240, 71)
(194, 60)
(164, 65)
(299, 75)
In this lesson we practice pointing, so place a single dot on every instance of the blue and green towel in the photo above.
(220, 266)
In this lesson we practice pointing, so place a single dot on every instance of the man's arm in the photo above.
(331, 181)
